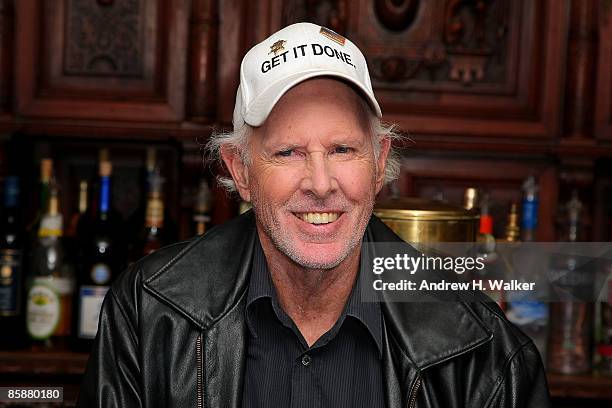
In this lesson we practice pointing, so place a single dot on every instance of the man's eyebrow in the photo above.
(281, 145)
(347, 139)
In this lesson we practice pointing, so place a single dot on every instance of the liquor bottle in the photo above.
(513, 230)
(49, 299)
(11, 268)
(73, 247)
(486, 250)
(86, 221)
(201, 217)
(529, 314)
(485, 228)
(470, 198)
(104, 258)
(571, 329)
(503, 250)
(151, 238)
(136, 222)
(529, 221)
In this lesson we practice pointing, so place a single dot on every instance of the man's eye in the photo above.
(285, 153)
(342, 149)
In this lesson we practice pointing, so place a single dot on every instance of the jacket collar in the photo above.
(428, 331)
(210, 276)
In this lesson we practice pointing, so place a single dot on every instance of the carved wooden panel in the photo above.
(488, 68)
(603, 105)
(103, 59)
(104, 38)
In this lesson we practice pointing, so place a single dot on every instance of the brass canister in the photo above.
(417, 220)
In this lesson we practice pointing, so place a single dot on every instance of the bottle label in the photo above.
(155, 213)
(527, 312)
(100, 273)
(51, 226)
(90, 303)
(43, 310)
(530, 214)
(10, 272)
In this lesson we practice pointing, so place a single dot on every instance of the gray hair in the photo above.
(238, 140)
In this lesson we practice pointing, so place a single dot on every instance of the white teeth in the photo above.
(319, 218)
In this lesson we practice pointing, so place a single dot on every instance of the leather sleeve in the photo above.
(112, 375)
(524, 384)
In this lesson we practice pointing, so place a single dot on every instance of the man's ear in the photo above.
(238, 170)
(381, 163)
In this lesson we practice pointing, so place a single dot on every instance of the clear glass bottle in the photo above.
(571, 322)
(529, 314)
(49, 299)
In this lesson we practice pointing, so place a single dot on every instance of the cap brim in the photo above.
(258, 110)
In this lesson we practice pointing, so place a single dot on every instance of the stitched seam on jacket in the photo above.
(229, 311)
(125, 317)
(173, 305)
(502, 375)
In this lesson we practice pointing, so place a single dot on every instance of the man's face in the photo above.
(313, 175)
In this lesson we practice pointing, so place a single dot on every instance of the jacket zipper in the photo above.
(413, 392)
(200, 392)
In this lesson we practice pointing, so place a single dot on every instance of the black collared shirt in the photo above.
(342, 369)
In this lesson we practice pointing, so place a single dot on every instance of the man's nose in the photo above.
(319, 179)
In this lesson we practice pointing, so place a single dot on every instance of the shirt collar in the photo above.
(261, 286)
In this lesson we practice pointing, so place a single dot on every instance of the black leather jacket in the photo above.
(172, 334)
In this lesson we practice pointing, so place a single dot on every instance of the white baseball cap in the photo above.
(292, 55)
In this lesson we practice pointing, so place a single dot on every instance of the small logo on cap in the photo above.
(326, 32)
(277, 47)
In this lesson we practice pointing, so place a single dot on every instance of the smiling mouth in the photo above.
(318, 217)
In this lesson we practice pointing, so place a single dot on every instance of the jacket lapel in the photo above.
(209, 276)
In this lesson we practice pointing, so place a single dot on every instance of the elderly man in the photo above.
(266, 310)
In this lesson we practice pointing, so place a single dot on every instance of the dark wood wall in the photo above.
(489, 91)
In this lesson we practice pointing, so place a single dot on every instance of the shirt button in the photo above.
(306, 360)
